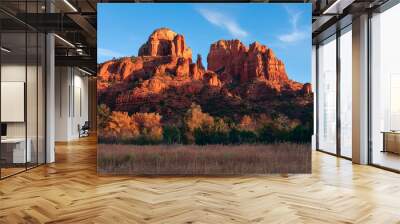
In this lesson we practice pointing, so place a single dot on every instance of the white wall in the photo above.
(61, 103)
(16, 73)
(80, 110)
(33, 126)
(12, 73)
(71, 102)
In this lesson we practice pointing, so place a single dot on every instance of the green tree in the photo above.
(205, 136)
(271, 134)
(216, 133)
(172, 135)
(241, 136)
(301, 134)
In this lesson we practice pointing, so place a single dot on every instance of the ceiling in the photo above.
(332, 15)
(75, 22)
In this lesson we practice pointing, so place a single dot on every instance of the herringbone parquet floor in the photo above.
(69, 191)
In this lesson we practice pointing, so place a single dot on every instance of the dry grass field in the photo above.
(203, 160)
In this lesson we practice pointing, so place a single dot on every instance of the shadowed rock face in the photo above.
(164, 71)
(307, 88)
(165, 42)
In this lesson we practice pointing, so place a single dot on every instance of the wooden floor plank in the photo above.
(70, 191)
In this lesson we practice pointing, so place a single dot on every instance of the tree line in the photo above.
(198, 128)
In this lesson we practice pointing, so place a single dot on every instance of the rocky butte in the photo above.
(164, 78)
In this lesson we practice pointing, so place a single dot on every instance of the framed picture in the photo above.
(204, 89)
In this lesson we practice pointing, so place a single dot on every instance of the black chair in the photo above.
(84, 130)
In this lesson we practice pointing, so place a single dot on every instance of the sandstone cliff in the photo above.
(164, 78)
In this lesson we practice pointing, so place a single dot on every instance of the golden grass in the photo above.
(203, 160)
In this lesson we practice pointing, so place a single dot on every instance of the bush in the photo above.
(206, 136)
(271, 134)
(194, 119)
(103, 115)
(301, 134)
(121, 126)
(234, 136)
(248, 137)
(240, 137)
(149, 125)
(140, 128)
(215, 133)
(134, 59)
(247, 123)
(172, 135)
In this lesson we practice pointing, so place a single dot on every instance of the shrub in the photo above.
(195, 119)
(237, 136)
(121, 126)
(149, 126)
(282, 122)
(234, 136)
(206, 136)
(103, 115)
(247, 137)
(247, 123)
(271, 134)
(219, 125)
(301, 134)
(216, 133)
(134, 59)
(140, 128)
(172, 135)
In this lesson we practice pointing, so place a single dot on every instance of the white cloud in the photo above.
(224, 21)
(108, 53)
(295, 34)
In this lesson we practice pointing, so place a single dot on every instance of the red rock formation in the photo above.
(232, 59)
(154, 85)
(197, 70)
(307, 88)
(227, 57)
(163, 71)
(165, 42)
(120, 70)
(212, 79)
(182, 69)
(199, 62)
(166, 66)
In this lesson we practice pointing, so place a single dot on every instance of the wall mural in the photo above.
(204, 89)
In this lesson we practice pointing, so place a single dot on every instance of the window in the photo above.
(385, 89)
(327, 95)
(346, 92)
(22, 76)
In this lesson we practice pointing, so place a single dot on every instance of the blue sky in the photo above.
(286, 28)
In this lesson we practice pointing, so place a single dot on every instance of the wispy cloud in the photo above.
(108, 53)
(224, 21)
(296, 34)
